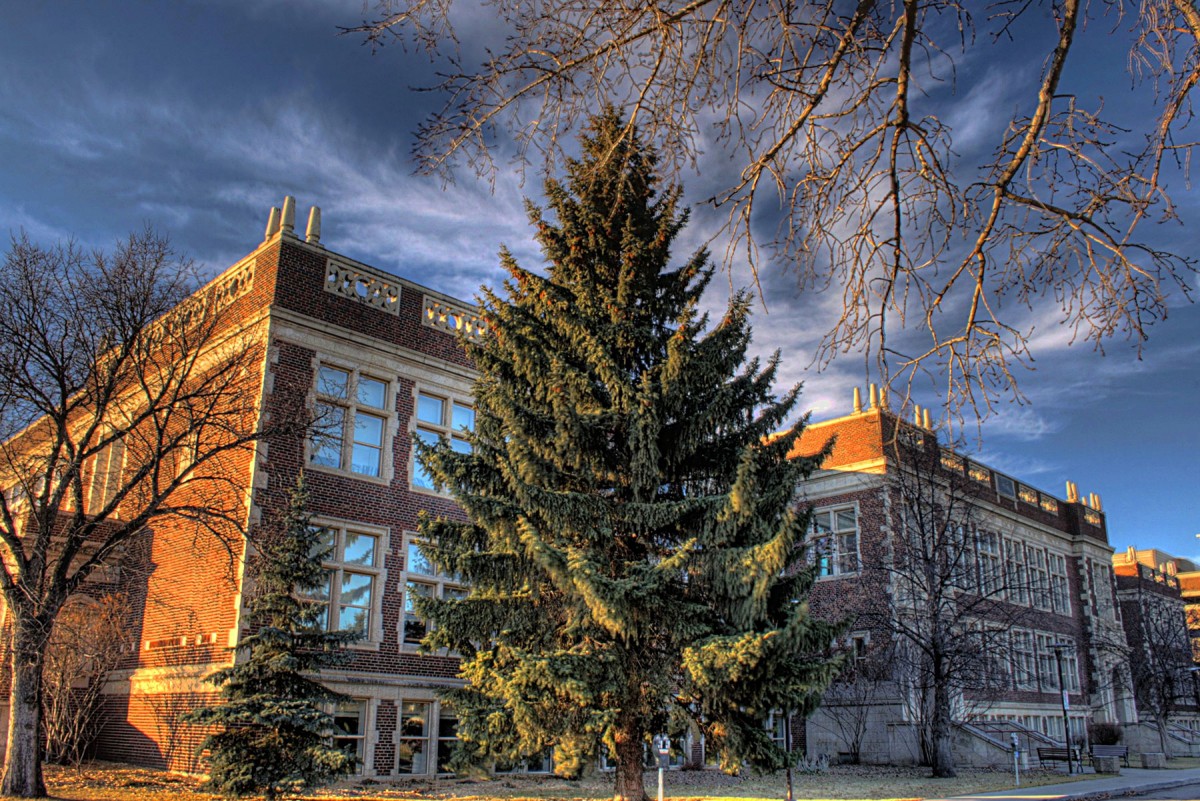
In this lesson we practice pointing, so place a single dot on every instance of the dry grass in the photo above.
(109, 782)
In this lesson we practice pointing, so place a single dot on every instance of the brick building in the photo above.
(376, 357)
(1036, 566)
(1157, 618)
(1185, 572)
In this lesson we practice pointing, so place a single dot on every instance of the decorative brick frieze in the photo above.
(341, 279)
(438, 314)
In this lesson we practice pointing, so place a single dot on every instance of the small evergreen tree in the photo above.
(632, 546)
(274, 732)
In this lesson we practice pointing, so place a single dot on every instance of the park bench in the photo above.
(1057, 755)
(1121, 751)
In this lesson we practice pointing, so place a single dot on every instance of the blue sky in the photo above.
(198, 118)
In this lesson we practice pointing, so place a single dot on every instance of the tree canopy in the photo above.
(959, 211)
(632, 546)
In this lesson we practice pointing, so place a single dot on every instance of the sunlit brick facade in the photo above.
(376, 356)
(1052, 555)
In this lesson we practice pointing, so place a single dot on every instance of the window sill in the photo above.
(335, 471)
(363, 645)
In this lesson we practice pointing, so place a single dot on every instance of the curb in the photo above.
(1127, 791)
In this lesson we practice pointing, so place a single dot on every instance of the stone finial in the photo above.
(873, 395)
(312, 233)
(272, 223)
(287, 223)
(857, 401)
(926, 420)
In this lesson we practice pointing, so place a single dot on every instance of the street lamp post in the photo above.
(1058, 648)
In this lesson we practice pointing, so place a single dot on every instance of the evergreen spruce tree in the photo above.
(632, 546)
(274, 732)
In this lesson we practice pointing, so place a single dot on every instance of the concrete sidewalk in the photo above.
(1130, 781)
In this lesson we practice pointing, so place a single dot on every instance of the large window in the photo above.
(1017, 576)
(352, 421)
(352, 568)
(439, 415)
(1048, 663)
(834, 541)
(447, 737)
(1039, 577)
(1025, 669)
(987, 553)
(350, 730)
(106, 476)
(1060, 596)
(1102, 589)
(422, 580)
(414, 737)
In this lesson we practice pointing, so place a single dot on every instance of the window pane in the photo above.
(347, 718)
(332, 381)
(323, 547)
(360, 548)
(421, 477)
(320, 592)
(462, 417)
(356, 589)
(414, 719)
(454, 593)
(416, 562)
(365, 460)
(845, 519)
(368, 429)
(354, 618)
(821, 522)
(414, 627)
(371, 392)
(431, 409)
(327, 436)
(460, 445)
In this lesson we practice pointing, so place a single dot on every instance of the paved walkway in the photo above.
(1130, 780)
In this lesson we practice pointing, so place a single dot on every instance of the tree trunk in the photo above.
(23, 759)
(943, 746)
(629, 742)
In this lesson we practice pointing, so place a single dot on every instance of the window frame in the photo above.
(337, 568)
(438, 582)
(351, 408)
(446, 428)
(837, 554)
(362, 737)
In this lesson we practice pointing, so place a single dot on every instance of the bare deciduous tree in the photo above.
(839, 120)
(90, 637)
(1160, 659)
(952, 604)
(124, 405)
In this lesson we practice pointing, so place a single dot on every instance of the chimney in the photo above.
(312, 234)
(917, 415)
(287, 223)
(1131, 554)
(883, 398)
(925, 420)
(873, 395)
(272, 223)
(1095, 498)
(1072, 492)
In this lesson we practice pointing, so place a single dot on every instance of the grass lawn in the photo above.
(110, 782)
